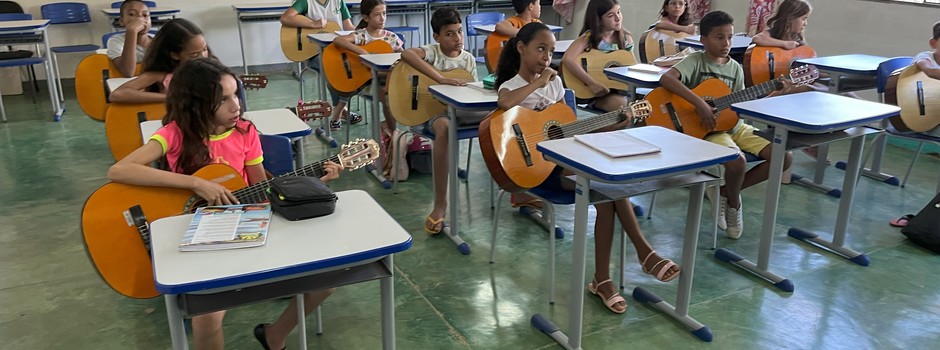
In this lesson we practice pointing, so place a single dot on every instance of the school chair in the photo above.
(278, 154)
(66, 13)
(480, 19)
(400, 31)
(19, 58)
(12, 11)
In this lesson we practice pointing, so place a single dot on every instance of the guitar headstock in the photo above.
(803, 75)
(641, 109)
(313, 110)
(254, 81)
(358, 153)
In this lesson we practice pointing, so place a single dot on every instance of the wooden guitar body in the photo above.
(295, 44)
(493, 45)
(344, 70)
(593, 62)
(122, 125)
(763, 63)
(655, 43)
(409, 100)
(91, 88)
(673, 112)
(919, 98)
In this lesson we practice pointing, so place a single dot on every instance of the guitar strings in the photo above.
(257, 191)
(575, 127)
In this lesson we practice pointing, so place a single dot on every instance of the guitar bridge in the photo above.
(520, 138)
(414, 92)
(346, 66)
(674, 117)
(143, 228)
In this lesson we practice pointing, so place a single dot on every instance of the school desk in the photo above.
(739, 44)
(322, 40)
(560, 47)
(470, 97)
(601, 178)
(641, 77)
(821, 118)
(298, 257)
(33, 32)
(156, 16)
(857, 67)
(255, 12)
(378, 64)
(490, 28)
(281, 121)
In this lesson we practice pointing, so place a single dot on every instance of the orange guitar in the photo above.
(508, 139)
(494, 46)
(122, 125)
(763, 63)
(119, 250)
(295, 44)
(673, 112)
(345, 71)
(91, 89)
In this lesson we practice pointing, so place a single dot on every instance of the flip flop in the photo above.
(531, 203)
(431, 225)
(612, 300)
(901, 221)
(666, 266)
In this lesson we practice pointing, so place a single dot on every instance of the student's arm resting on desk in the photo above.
(348, 42)
(570, 61)
(135, 170)
(507, 99)
(665, 24)
(506, 28)
(764, 39)
(929, 69)
(670, 81)
(133, 90)
(415, 57)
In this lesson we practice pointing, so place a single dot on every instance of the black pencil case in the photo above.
(301, 197)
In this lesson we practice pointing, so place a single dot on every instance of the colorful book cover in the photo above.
(227, 227)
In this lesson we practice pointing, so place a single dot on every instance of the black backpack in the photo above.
(924, 228)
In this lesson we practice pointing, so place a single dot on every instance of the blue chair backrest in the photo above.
(887, 67)
(482, 19)
(278, 155)
(15, 17)
(570, 101)
(117, 4)
(66, 12)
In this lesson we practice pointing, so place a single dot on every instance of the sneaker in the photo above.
(354, 118)
(734, 222)
(336, 125)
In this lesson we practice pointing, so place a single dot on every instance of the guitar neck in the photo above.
(751, 93)
(256, 193)
(585, 126)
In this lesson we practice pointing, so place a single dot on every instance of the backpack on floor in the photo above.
(396, 147)
(924, 228)
(419, 155)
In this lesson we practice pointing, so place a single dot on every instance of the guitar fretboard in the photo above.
(584, 126)
(751, 93)
(256, 193)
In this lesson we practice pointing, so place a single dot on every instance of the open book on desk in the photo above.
(227, 227)
(617, 144)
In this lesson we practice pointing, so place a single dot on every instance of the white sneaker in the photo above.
(734, 221)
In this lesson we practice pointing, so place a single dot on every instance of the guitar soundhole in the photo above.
(554, 132)
(194, 203)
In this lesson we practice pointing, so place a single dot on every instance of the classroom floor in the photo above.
(51, 297)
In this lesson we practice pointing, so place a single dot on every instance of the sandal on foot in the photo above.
(610, 301)
(262, 337)
(525, 201)
(901, 221)
(434, 226)
(663, 265)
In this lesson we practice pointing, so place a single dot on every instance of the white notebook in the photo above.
(647, 68)
(617, 144)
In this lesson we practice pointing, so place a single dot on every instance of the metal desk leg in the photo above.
(845, 210)
(879, 144)
(175, 317)
(683, 296)
(376, 167)
(301, 321)
(387, 286)
(241, 41)
(57, 109)
(770, 218)
(323, 132)
(819, 174)
(451, 230)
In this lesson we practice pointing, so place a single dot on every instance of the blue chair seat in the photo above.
(462, 133)
(21, 62)
(556, 197)
(74, 48)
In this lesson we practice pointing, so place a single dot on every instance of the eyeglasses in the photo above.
(677, 3)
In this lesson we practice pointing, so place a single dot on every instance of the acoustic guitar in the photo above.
(919, 98)
(593, 62)
(295, 44)
(91, 88)
(119, 250)
(671, 111)
(409, 100)
(493, 45)
(764, 63)
(655, 43)
(122, 121)
(508, 139)
(345, 71)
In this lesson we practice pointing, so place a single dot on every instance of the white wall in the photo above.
(836, 27)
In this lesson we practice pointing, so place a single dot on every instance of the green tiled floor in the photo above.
(51, 298)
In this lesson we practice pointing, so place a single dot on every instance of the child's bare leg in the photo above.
(734, 179)
(390, 122)
(441, 156)
(276, 333)
(207, 331)
(651, 264)
(603, 242)
(338, 110)
(610, 102)
(761, 172)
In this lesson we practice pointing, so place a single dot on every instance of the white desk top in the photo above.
(641, 78)
(343, 32)
(278, 121)
(852, 64)
(293, 247)
(738, 42)
(154, 11)
(680, 153)
(380, 61)
(322, 39)
(465, 97)
(490, 28)
(814, 112)
(12, 26)
(115, 83)
(260, 7)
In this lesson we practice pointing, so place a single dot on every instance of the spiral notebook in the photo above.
(617, 144)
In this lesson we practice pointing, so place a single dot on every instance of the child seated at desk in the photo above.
(527, 11)
(674, 16)
(128, 48)
(927, 60)
(717, 28)
(525, 79)
(203, 125)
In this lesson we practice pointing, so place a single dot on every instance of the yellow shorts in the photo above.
(742, 139)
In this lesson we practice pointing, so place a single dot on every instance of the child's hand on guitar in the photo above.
(706, 115)
(331, 171)
(451, 81)
(318, 23)
(790, 45)
(599, 89)
(213, 193)
(547, 75)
